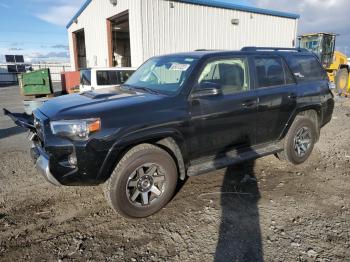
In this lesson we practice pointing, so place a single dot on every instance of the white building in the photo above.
(128, 32)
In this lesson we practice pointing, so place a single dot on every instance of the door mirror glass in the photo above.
(205, 89)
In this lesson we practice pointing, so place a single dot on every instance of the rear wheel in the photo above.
(342, 81)
(299, 141)
(143, 182)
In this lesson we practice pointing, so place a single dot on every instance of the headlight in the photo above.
(76, 129)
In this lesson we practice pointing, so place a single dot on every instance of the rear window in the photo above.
(306, 68)
(85, 77)
(272, 71)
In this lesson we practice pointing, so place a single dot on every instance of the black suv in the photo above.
(182, 115)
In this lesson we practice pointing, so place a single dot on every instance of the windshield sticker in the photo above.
(179, 67)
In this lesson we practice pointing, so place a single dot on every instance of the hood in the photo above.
(92, 104)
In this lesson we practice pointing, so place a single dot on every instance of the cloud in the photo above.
(316, 15)
(49, 55)
(65, 47)
(36, 56)
(15, 49)
(58, 15)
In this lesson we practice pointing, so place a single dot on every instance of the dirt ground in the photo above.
(264, 211)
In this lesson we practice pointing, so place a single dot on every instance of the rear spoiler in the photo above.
(21, 120)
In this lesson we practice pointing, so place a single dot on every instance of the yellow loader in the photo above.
(335, 62)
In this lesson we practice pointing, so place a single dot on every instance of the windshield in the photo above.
(85, 77)
(163, 74)
(322, 45)
(312, 43)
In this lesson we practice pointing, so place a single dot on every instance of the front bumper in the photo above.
(42, 164)
(51, 154)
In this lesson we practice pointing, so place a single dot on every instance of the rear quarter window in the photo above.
(306, 68)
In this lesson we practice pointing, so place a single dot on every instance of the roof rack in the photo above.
(254, 48)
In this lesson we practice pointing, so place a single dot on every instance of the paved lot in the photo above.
(266, 210)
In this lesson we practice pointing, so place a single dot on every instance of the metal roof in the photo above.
(227, 5)
(82, 8)
(211, 3)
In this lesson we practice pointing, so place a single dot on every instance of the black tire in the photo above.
(342, 81)
(289, 152)
(118, 193)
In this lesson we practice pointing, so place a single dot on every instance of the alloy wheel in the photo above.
(302, 141)
(146, 184)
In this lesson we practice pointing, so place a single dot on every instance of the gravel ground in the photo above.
(265, 210)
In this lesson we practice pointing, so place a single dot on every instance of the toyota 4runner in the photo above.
(182, 115)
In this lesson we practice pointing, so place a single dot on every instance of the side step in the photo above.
(208, 164)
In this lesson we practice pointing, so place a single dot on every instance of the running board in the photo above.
(208, 164)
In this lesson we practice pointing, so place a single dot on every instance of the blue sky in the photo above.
(36, 28)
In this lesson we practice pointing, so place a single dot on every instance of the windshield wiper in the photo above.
(145, 89)
(149, 90)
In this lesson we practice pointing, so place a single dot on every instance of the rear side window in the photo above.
(272, 71)
(306, 68)
(107, 78)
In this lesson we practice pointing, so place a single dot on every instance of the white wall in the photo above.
(189, 27)
(93, 21)
(157, 29)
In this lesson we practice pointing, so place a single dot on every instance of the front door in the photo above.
(225, 121)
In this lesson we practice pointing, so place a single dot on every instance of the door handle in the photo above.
(292, 96)
(249, 103)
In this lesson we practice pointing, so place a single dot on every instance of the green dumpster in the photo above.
(36, 83)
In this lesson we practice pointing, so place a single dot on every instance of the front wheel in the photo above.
(143, 182)
(299, 141)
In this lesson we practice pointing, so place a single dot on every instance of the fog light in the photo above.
(72, 159)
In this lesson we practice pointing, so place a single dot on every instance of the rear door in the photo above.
(276, 92)
(225, 121)
(312, 79)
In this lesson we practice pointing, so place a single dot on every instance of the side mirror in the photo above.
(206, 89)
